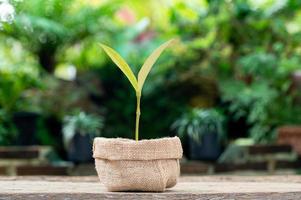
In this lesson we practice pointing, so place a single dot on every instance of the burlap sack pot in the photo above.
(146, 165)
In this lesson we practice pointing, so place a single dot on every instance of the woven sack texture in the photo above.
(146, 165)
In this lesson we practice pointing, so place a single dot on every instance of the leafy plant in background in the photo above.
(259, 64)
(264, 88)
(197, 122)
(47, 27)
(82, 124)
(144, 71)
(14, 81)
(243, 42)
(13, 86)
(17, 75)
(252, 101)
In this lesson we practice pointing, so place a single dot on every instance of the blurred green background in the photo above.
(240, 58)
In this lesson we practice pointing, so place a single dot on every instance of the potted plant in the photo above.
(202, 129)
(78, 133)
(23, 114)
(137, 165)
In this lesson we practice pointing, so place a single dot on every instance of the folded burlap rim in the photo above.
(127, 149)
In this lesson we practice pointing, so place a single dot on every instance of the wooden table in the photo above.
(189, 187)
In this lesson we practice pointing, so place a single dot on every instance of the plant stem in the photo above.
(137, 116)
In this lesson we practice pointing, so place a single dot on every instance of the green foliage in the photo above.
(253, 102)
(197, 122)
(43, 27)
(12, 87)
(258, 64)
(243, 53)
(252, 49)
(262, 93)
(17, 74)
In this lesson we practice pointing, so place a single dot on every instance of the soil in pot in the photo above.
(145, 165)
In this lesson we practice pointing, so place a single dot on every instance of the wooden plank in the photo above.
(155, 196)
(19, 152)
(42, 170)
(283, 164)
(215, 187)
(227, 167)
(269, 149)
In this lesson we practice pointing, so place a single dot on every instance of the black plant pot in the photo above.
(80, 148)
(26, 124)
(209, 148)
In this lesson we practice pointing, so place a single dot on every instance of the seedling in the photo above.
(137, 83)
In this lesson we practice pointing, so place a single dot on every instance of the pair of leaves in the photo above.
(137, 83)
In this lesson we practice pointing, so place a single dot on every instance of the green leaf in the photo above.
(123, 66)
(148, 64)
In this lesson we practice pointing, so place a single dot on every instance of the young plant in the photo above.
(137, 83)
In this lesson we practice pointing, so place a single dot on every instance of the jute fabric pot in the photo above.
(146, 165)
